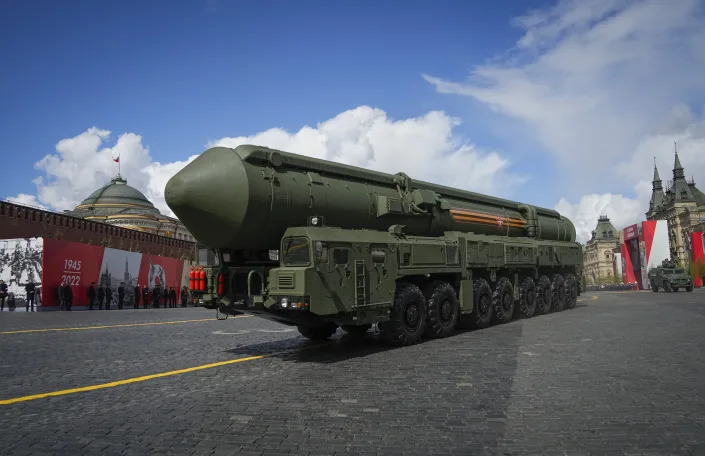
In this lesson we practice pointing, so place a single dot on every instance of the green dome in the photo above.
(117, 192)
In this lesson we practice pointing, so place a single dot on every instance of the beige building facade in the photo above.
(682, 205)
(599, 251)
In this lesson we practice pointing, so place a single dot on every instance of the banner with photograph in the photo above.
(79, 265)
(21, 263)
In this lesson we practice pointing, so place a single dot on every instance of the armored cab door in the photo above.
(341, 274)
(381, 272)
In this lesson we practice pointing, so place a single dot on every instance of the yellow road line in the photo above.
(593, 298)
(127, 381)
(78, 328)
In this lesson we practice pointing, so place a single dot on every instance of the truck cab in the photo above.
(328, 277)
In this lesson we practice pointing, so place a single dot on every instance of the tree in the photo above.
(697, 268)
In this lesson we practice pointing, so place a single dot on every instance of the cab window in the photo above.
(295, 251)
(208, 257)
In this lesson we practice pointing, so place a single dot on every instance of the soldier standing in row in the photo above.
(108, 297)
(101, 297)
(121, 294)
(68, 295)
(62, 299)
(91, 296)
(184, 296)
(145, 296)
(137, 296)
(156, 296)
(172, 296)
(30, 290)
(3, 294)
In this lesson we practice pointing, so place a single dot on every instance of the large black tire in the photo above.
(571, 291)
(442, 309)
(481, 315)
(503, 301)
(408, 319)
(689, 289)
(527, 298)
(543, 295)
(557, 292)
(356, 330)
(322, 332)
(667, 287)
(654, 287)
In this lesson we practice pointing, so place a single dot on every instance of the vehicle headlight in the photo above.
(294, 302)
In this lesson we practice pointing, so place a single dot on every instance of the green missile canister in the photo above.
(246, 197)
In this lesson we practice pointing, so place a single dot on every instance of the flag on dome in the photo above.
(116, 158)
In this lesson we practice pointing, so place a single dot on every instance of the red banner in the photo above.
(156, 270)
(631, 232)
(76, 264)
(697, 254)
(81, 264)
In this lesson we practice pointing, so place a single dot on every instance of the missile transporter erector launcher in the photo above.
(319, 245)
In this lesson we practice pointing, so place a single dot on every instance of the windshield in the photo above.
(207, 257)
(296, 251)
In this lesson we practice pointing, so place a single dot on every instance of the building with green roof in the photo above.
(119, 204)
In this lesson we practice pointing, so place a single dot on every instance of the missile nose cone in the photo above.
(176, 192)
(209, 196)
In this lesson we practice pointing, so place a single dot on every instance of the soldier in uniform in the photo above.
(101, 297)
(156, 291)
(62, 298)
(184, 296)
(145, 296)
(30, 290)
(68, 296)
(108, 296)
(91, 296)
(3, 294)
(172, 296)
(121, 294)
(137, 296)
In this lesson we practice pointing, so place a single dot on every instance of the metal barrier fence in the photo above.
(613, 287)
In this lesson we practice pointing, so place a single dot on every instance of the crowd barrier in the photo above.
(613, 287)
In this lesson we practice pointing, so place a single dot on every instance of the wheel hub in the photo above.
(446, 310)
(507, 302)
(412, 315)
(484, 305)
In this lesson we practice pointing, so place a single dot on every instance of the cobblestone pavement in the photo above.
(621, 374)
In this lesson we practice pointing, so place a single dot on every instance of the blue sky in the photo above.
(183, 74)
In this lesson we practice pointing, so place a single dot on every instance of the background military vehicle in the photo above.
(669, 277)
(322, 245)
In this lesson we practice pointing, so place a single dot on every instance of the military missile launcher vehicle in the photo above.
(322, 245)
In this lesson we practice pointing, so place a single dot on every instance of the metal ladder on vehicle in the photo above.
(360, 285)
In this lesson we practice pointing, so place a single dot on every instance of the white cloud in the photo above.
(27, 200)
(593, 81)
(423, 147)
(621, 210)
(84, 163)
